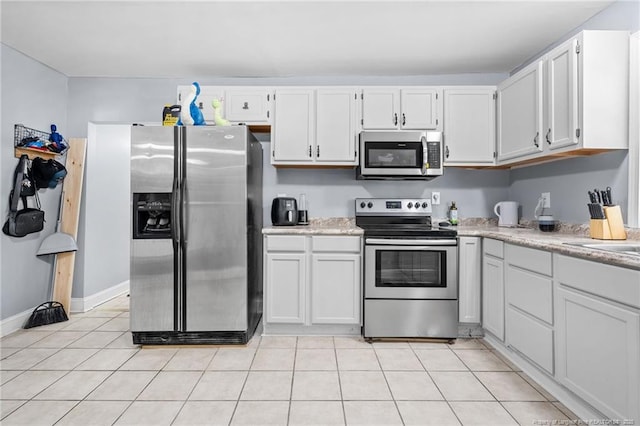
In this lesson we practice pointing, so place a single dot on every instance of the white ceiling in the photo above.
(287, 38)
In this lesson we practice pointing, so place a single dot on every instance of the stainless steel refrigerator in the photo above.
(196, 248)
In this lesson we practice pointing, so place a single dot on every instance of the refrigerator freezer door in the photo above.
(152, 260)
(215, 228)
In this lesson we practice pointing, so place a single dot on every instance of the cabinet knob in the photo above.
(547, 136)
(309, 151)
(404, 120)
(395, 119)
(535, 140)
(318, 151)
(446, 151)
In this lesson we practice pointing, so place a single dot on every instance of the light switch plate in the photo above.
(435, 198)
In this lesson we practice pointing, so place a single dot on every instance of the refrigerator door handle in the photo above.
(184, 213)
(175, 211)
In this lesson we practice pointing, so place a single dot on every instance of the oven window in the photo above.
(411, 268)
(394, 155)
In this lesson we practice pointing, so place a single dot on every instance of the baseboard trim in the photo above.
(78, 305)
(15, 322)
(570, 400)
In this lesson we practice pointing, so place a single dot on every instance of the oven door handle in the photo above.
(394, 242)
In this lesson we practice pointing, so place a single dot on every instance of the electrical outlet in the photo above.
(435, 198)
(546, 196)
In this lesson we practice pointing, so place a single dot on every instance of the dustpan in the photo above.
(58, 242)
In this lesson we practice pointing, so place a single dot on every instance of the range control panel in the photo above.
(392, 206)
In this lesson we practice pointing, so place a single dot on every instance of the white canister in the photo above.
(507, 212)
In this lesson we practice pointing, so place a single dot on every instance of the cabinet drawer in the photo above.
(530, 337)
(527, 258)
(530, 292)
(611, 282)
(493, 247)
(285, 243)
(335, 244)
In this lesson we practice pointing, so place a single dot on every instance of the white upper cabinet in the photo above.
(562, 95)
(314, 127)
(250, 106)
(469, 126)
(336, 135)
(240, 104)
(520, 113)
(419, 109)
(400, 109)
(204, 99)
(584, 97)
(587, 92)
(292, 136)
(380, 109)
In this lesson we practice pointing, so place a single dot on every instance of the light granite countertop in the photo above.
(319, 226)
(526, 234)
(559, 242)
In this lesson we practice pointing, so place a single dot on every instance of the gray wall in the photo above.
(569, 180)
(35, 96)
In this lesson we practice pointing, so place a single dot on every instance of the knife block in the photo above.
(610, 228)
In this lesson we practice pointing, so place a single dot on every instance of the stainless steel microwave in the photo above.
(400, 155)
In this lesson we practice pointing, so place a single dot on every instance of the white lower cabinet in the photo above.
(284, 296)
(529, 304)
(312, 281)
(598, 338)
(493, 287)
(335, 295)
(573, 324)
(469, 279)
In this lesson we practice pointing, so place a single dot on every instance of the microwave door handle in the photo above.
(425, 155)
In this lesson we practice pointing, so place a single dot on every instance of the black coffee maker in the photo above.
(284, 211)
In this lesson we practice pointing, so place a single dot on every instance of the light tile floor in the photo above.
(86, 371)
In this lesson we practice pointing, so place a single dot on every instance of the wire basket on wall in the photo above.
(36, 141)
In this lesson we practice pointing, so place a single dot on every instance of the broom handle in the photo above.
(60, 207)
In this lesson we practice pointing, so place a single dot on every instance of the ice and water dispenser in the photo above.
(151, 215)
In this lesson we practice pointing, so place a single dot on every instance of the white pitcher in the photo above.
(507, 212)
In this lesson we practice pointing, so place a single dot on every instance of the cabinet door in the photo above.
(597, 352)
(292, 135)
(247, 106)
(380, 109)
(493, 296)
(562, 96)
(520, 113)
(204, 99)
(470, 258)
(336, 126)
(335, 289)
(419, 109)
(469, 126)
(285, 283)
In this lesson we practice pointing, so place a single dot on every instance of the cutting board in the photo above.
(72, 188)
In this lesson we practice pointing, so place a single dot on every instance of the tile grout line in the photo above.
(246, 378)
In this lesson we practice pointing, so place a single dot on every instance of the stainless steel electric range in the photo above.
(410, 270)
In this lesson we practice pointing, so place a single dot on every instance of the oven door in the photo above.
(411, 269)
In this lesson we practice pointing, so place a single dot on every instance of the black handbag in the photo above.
(26, 220)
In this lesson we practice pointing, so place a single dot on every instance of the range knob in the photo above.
(417, 204)
(369, 204)
(424, 205)
(362, 204)
(409, 205)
